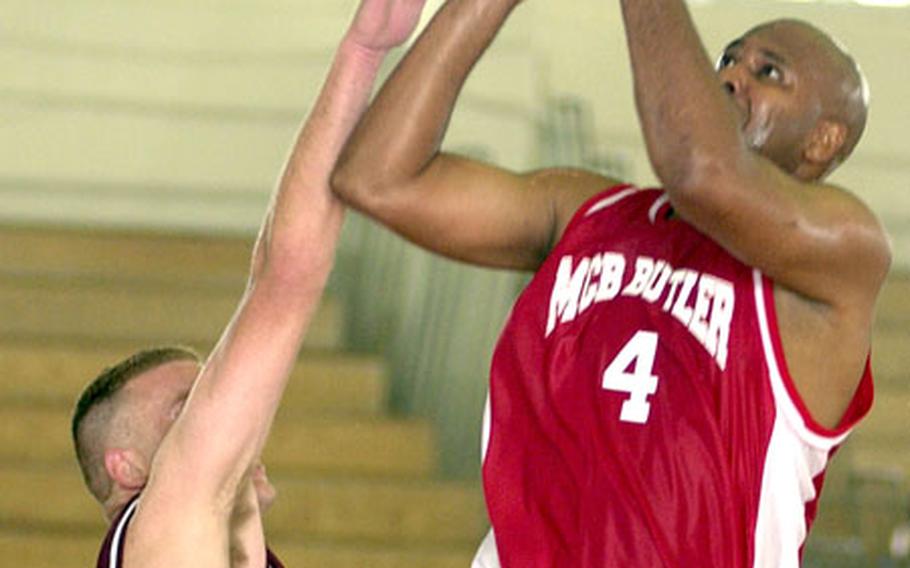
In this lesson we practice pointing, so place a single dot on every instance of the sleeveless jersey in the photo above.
(111, 554)
(641, 413)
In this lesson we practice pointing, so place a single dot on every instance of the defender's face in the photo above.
(769, 75)
(157, 397)
(154, 399)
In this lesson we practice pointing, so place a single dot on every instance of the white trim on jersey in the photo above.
(487, 556)
(795, 456)
(119, 532)
(655, 207)
(485, 429)
(608, 201)
(782, 399)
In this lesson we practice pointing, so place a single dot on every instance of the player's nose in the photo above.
(734, 79)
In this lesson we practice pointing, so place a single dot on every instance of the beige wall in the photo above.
(178, 113)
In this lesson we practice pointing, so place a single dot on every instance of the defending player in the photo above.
(670, 386)
(172, 452)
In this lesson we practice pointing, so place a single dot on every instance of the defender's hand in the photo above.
(383, 24)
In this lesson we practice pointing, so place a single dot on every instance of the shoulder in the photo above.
(571, 191)
(866, 247)
(859, 214)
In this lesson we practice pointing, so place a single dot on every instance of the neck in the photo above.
(117, 501)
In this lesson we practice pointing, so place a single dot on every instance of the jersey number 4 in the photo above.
(638, 353)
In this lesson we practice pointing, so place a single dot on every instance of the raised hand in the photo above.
(383, 24)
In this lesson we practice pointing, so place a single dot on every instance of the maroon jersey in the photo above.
(641, 411)
(111, 554)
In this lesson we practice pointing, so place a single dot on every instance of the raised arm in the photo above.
(731, 167)
(204, 461)
(392, 168)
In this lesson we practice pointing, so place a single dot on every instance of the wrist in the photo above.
(367, 55)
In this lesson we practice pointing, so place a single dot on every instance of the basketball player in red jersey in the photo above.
(170, 450)
(669, 388)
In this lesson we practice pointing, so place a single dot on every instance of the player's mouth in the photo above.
(754, 135)
(743, 109)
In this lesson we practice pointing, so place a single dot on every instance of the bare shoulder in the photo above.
(860, 234)
(569, 189)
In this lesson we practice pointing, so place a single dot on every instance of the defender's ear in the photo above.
(825, 142)
(126, 468)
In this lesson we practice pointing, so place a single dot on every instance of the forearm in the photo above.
(228, 416)
(689, 124)
(298, 235)
(404, 127)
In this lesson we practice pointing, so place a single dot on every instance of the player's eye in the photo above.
(725, 61)
(769, 71)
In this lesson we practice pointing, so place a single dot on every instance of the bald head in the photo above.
(833, 74)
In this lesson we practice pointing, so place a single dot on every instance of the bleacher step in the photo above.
(298, 443)
(377, 510)
(49, 550)
(328, 556)
(363, 510)
(322, 382)
(152, 257)
(108, 311)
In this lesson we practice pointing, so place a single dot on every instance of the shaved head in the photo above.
(838, 81)
(105, 414)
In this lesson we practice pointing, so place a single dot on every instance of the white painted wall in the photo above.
(177, 114)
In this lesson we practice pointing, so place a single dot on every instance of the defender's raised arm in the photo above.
(204, 464)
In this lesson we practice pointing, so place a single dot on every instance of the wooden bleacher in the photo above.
(357, 487)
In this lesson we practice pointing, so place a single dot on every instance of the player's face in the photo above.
(159, 395)
(156, 398)
(770, 75)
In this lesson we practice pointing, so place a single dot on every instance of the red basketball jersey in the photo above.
(111, 553)
(641, 412)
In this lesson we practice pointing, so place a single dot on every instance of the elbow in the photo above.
(349, 183)
(697, 181)
(376, 191)
(358, 185)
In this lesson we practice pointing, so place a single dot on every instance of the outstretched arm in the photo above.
(392, 168)
(203, 462)
(815, 239)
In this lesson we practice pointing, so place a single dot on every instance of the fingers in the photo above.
(384, 24)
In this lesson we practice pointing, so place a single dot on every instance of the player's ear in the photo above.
(825, 142)
(126, 468)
